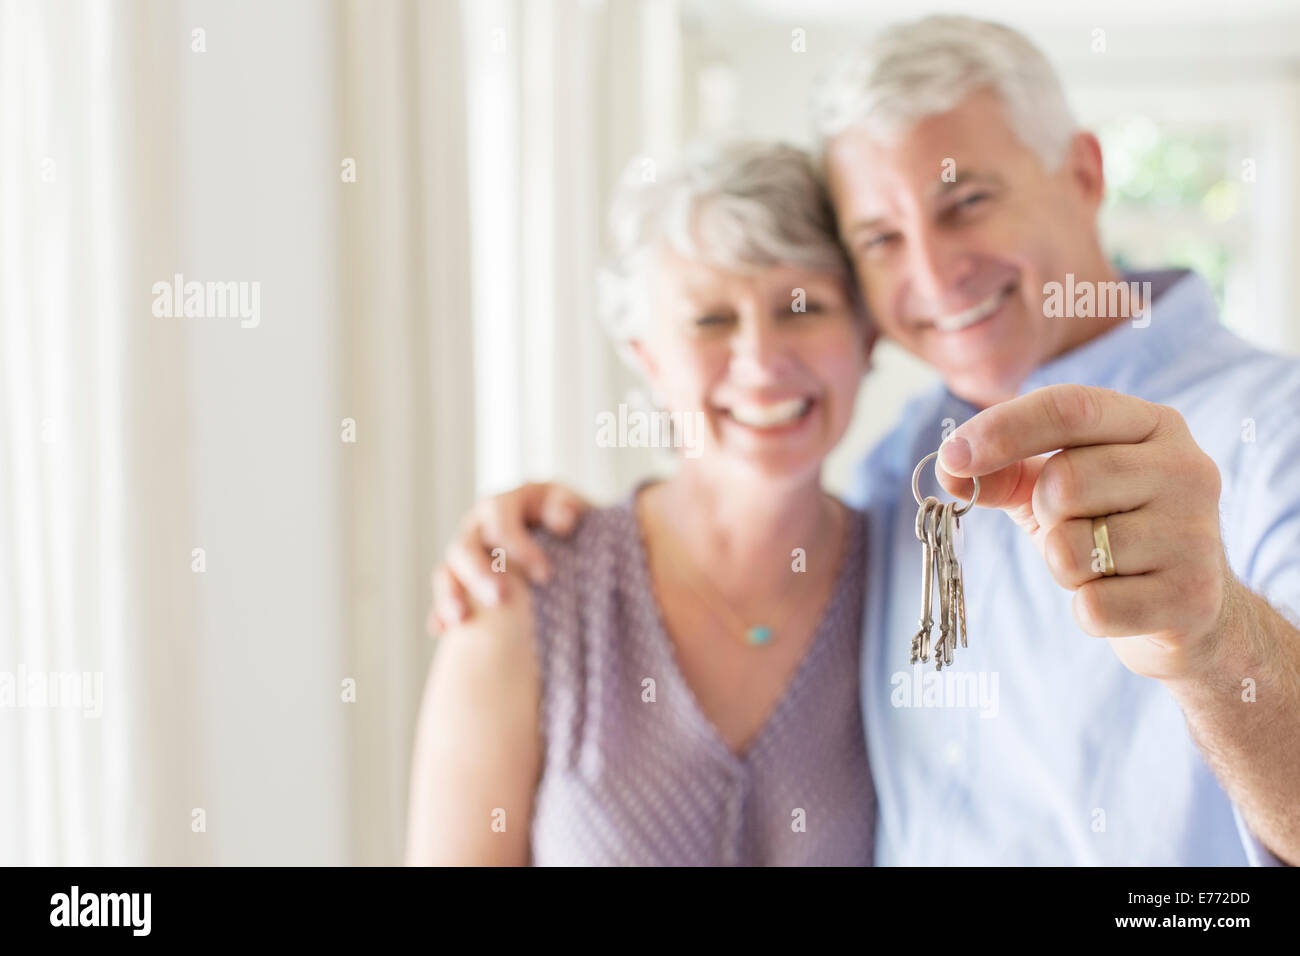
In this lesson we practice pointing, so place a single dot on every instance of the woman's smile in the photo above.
(770, 417)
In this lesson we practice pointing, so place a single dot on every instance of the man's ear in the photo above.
(1083, 164)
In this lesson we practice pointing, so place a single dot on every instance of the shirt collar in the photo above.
(1182, 314)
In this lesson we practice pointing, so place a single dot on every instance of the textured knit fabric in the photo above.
(631, 780)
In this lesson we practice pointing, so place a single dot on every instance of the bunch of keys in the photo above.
(938, 528)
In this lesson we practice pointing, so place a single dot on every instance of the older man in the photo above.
(968, 199)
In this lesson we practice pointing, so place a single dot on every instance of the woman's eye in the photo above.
(972, 200)
(706, 321)
(809, 307)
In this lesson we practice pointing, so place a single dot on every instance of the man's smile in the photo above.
(957, 321)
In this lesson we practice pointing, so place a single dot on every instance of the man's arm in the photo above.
(1243, 711)
(477, 751)
(501, 522)
(1173, 610)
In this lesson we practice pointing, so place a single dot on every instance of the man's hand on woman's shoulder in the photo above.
(494, 539)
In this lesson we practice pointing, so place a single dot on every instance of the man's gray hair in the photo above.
(736, 206)
(923, 67)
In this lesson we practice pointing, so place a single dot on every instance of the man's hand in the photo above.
(1173, 610)
(499, 522)
(1135, 464)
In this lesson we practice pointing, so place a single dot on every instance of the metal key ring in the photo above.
(916, 487)
(923, 517)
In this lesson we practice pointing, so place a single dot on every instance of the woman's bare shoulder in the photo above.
(477, 748)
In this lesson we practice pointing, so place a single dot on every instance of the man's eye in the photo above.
(972, 200)
(878, 241)
(707, 321)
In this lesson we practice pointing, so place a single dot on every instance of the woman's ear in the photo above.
(645, 362)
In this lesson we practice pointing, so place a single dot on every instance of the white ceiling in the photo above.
(1247, 33)
(1094, 12)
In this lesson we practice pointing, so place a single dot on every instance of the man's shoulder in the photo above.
(1269, 372)
(1236, 385)
(1198, 349)
(893, 454)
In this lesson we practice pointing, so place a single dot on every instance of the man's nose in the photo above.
(937, 266)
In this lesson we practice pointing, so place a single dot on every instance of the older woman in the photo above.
(683, 689)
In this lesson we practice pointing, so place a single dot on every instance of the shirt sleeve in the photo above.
(1266, 513)
(1267, 539)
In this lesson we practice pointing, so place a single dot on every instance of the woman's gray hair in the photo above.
(737, 206)
(924, 67)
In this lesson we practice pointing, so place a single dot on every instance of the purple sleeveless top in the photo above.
(630, 780)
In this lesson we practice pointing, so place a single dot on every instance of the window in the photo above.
(1176, 196)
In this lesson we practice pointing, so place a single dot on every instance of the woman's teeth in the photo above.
(968, 317)
(770, 416)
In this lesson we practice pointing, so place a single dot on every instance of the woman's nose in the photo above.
(759, 349)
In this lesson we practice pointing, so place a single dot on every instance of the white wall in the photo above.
(256, 202)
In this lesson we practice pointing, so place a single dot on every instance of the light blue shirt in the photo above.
(1057, 753)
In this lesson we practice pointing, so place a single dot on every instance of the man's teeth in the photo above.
(770, 416)
(960, 320)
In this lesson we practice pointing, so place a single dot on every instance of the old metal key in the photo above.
(924, 524)
(938, 528)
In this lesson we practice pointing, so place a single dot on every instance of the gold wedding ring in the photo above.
(1101, 538)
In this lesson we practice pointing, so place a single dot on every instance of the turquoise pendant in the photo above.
(758, 635)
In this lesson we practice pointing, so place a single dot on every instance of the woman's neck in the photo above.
(731, 527)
